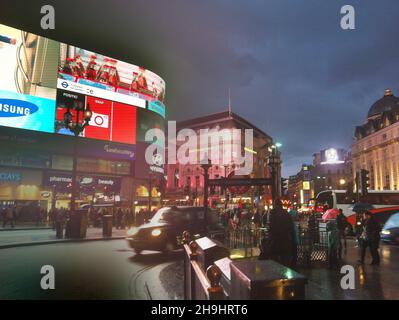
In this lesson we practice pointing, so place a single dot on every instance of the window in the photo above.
(61, 162)
(103, 166)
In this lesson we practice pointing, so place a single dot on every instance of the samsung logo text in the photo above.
(16, 108)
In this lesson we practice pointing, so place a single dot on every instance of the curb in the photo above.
(37, 243)
(27, 229)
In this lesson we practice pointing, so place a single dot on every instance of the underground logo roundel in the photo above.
(16, 108)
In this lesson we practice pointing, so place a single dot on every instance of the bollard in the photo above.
(186, 237)
(215, 291)
(193, 247)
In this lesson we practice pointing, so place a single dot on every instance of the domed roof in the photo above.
(387, 103)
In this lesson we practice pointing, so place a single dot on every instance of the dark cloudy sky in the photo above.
(292, 70)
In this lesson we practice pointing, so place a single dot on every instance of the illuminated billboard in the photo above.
(40, 79)
(111, 121)
(90, 73)
(28, 80)
(333, 156)
(114, 90)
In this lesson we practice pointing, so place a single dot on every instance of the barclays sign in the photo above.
(10, 177)
(16, 108)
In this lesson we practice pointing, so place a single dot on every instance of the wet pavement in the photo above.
(26, 236)
(110, 270)
(371, 282)
(86, 270)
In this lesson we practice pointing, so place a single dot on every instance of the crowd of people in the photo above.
(13, 215)
(284, 229)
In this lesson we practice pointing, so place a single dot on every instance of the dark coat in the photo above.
(371, 230)
(281, 232)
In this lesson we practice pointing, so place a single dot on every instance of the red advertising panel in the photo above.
(125, 117)
(101, 121)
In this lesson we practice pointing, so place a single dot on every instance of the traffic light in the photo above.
(364, 181)
(284, 186)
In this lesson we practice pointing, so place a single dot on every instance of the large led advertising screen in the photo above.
(111, 121)
(87, 72)
(28, 80)
(41, 79)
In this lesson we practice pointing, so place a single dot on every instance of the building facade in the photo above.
(376, 146)
(301, 187)
(185, 182)
(332, 170)
(44, 83)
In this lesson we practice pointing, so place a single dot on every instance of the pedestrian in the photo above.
(14, 215)
(312, 227)
(265, 218)
(54, 216)
(342, 224)
(140, 217)
(332, 240)
(281, 235)
(370, 238)
(8, 217)
(257, 218)
(119, 216)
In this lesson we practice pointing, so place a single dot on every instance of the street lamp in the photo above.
(342, 181)
(76, 125)
(273, 161)
(205, 165)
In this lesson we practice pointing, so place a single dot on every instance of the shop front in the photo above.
(148, 176)
(23, 189)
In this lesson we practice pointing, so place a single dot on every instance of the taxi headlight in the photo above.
(132, 231)
(386, 232)
(156, 232)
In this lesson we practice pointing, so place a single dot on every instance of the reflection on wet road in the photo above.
(372, 282)
(88, 270)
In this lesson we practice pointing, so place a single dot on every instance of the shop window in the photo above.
(59, 162)
(103, 166)
(25, 159)
(142, 191)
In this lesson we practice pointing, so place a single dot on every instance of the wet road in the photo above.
(371, 282)
(110, 270)
(87, 270)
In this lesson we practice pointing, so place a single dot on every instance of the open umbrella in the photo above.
(330, 214)
(361, 207)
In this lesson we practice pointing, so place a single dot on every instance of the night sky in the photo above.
(292, 70)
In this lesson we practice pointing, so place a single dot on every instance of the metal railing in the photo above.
(209, 274)
(246, 239)
(198, 283)
(312, 245)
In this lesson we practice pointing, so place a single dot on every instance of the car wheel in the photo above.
(138, 251)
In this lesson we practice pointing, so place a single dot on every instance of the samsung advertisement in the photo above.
(28, 80)
(41, 79)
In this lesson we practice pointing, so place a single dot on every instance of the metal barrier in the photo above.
(226, 279)
(199, 284)
(246, 239)
(312, 245)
